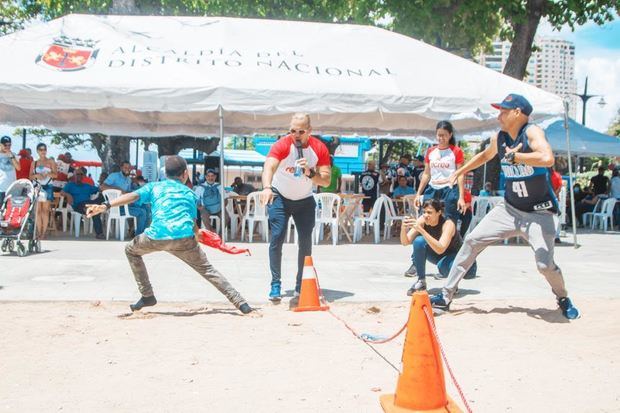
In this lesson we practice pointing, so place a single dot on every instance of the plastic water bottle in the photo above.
(298, 171)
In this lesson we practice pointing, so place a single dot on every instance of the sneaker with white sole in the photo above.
(568, 309)
(439, 302)
(419, 285)
(411, 272)
(276, 292)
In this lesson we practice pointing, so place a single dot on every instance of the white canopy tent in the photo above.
(150, 76)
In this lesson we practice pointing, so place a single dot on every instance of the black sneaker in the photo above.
(411, 272)
(143, 302)
(245, 308)
(568, 309)
(419, 285)
(438, 302)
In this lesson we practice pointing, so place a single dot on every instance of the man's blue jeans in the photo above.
(280, 210)
(422, 252)
(141, 214)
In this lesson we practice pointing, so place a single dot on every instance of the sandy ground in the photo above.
(509, 356)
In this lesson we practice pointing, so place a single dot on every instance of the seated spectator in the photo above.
(25, 160)
(102, 177)
(488, 190)
(599, 182)
(87, 179)
(64, 171)
(403, 188)
(434, 239)
(78, 194)
(587, 204)
(121, 180)
(241, 188)
(614, 184)
(209, 199)
(385, 180)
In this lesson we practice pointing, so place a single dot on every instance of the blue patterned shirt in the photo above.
(173, 209)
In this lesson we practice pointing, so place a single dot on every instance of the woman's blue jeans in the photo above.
(422, 252)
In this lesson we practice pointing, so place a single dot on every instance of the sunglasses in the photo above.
(79, 174)
(42, 149)
(298, 131)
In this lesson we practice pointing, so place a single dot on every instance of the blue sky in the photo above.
(597, 56)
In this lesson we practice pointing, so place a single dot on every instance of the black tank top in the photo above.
(528, 188)
(435, 232)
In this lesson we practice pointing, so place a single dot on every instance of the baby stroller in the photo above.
(17, 218)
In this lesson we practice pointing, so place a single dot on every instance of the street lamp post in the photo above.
(584, 99)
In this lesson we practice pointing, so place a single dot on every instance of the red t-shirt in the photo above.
(556, 181)
(24, 171)
(284, 180)
(443, 162)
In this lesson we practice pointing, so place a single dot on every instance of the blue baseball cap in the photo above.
(514, 101)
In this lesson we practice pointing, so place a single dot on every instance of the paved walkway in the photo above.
(86, 269)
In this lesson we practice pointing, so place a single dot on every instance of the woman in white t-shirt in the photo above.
(43, 170)
(441, 161)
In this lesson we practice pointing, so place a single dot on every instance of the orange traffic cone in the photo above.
(421, 386)
(309, 299)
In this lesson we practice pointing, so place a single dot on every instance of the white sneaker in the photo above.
(419, 285)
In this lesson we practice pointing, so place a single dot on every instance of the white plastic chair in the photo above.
(363, 223)
(327, 213)
(562, 201)
(606, 215)
(586, 217)
(255, 213)
(480, 206)
(76, 221)
(390, 216)
(63, 209)
(114, 215)
(290, 227)
(235, 219)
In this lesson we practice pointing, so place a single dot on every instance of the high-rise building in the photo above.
(551, 67)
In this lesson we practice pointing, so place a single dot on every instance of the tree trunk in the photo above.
(123, 7)
(174, 144)
(111, 149)
(389, 148)
(521, 48)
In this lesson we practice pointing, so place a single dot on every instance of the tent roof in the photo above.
(162, 76)
(583, 141)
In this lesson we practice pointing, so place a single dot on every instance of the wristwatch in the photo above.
(510, 157)
(107, 205)
(312, 174)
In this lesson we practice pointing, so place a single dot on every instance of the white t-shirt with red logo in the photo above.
(443, 162)
(284, 181)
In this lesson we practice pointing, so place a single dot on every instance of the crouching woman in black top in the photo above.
(435, 239)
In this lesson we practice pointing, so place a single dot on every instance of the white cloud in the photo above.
(603, 79)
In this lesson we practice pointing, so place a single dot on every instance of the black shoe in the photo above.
(411, 272)
(245, 308)
(143, 302)
(419, 285)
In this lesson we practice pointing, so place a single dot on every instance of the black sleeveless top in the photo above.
(435, 232)
(528, 188)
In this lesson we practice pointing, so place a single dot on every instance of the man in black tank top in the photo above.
(530, 206)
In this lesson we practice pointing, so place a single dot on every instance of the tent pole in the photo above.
(484, 175)
(570, 177)
(222, 192)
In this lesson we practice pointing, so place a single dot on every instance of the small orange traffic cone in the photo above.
(309, 299)
(421, 386)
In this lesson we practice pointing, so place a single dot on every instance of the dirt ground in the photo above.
(520, 356)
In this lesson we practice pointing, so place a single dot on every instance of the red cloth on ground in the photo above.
(211, 239)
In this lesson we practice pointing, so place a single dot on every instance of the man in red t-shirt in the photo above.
(295, 163)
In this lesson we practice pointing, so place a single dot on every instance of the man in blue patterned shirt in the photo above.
(172, 229)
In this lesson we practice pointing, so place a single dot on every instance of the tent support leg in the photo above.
(222, 177)
(570, 175)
